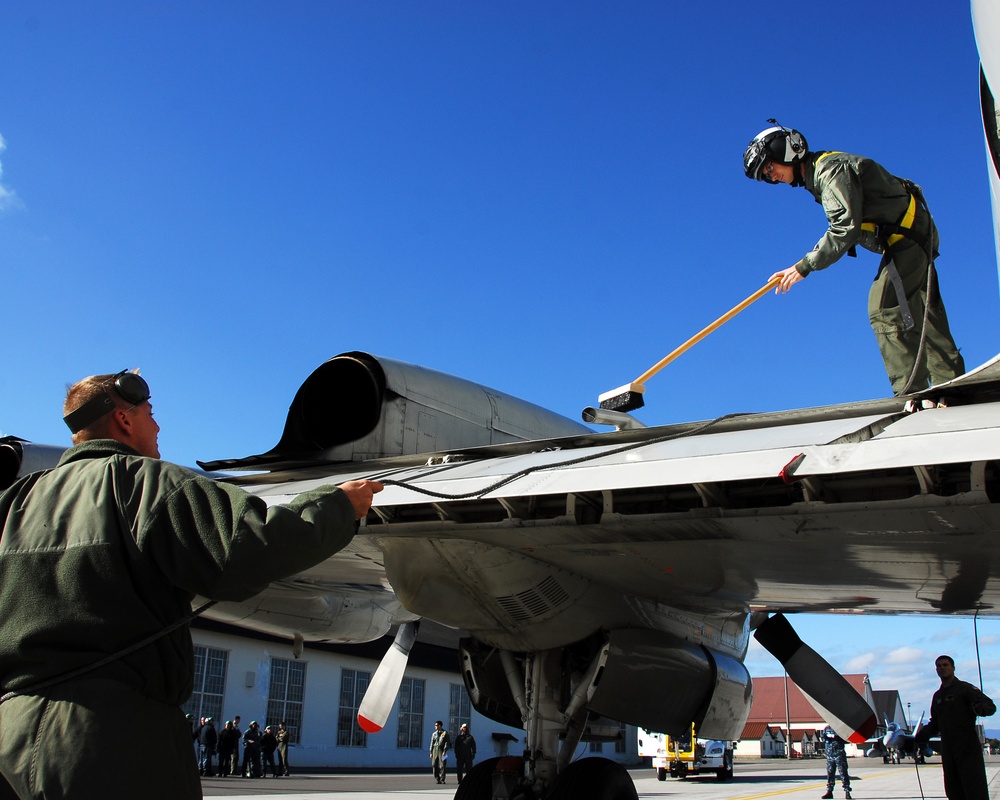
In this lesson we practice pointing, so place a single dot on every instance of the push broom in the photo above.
(629, 396)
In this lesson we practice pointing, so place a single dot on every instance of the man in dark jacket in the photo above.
(268, 744)
(227, 744)
(100, 559)
(208, 741)
(251, 751)
(465, 751)
(954, 709)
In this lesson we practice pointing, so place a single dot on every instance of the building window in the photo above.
(210, 668)
(459, 709)
(409, 734)
(285, 694)
(621, 744)
(353, 684)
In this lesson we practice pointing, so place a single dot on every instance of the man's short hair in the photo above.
(89, 402)
(949, 659)
(439, 722)
(82, 392)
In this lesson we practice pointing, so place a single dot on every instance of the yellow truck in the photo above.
(686, 755)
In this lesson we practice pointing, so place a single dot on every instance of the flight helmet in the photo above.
(779, 144)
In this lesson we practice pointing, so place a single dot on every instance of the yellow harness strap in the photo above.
(905, 222)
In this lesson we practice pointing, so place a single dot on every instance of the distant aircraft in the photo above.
(898, 742)
(598, 578)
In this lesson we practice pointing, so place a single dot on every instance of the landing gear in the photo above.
(547, 692)
(725, 772)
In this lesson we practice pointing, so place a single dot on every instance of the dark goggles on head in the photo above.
(132, 388)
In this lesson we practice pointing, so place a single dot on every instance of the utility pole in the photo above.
(788, 724)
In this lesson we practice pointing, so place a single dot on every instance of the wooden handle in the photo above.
(649, 373)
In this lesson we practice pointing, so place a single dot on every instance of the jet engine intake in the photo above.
(649, 678)
(663, 683)
(19, 458)
(357, 407)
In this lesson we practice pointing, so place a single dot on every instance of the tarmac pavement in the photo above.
(753, 780)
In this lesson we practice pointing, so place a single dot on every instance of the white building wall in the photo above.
(246, 690)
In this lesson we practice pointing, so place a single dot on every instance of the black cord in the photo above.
(923, 326)
(113, 657)
(916, 768)
(929, 249)
(567, 463)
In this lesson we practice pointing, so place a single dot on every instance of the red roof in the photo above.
(754, 731)
(769, 702)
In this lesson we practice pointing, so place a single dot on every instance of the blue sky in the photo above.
(545, 197)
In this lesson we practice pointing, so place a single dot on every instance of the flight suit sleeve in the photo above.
(218, 541)
(842, 198)
(982, 705)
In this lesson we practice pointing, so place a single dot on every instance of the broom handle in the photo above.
(649, 373)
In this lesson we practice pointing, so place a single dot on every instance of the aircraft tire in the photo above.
(661, 774)
(725, 772)
(595, 779)
(478, 781)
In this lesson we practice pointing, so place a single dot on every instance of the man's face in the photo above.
(778, 173)
(945, 669)
(145, 430)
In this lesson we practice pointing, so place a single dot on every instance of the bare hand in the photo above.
(789, 277)
(361, 493)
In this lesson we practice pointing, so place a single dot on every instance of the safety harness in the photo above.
(892, 235)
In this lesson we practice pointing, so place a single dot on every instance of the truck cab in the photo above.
(686, 754)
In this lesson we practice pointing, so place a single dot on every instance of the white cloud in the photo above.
(905, 655)
(8, 198)
(861, 663)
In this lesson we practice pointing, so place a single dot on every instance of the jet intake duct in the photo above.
(356, 407)
(339, 402)
(663, 683)
(19, 458)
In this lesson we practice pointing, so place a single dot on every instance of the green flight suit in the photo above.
(854, 190)
(98, 554)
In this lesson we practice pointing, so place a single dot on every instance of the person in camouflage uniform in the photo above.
(836, 760)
